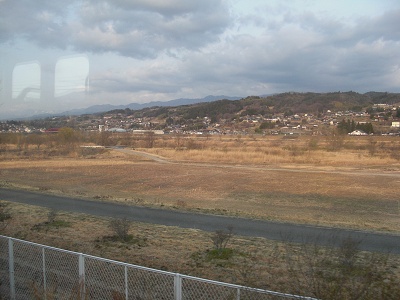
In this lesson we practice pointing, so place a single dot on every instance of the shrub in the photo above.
(220, 238)
(343, 272)
(120, 228)
(51, 222)
(225, 254)
(5, 215)
(51, 216)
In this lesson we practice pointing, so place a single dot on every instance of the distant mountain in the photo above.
(136, 106)
(225, 107)
(217, 106)
(285, 103)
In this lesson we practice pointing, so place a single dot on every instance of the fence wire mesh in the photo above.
(150, 285)
(32, 271)
(4, 278)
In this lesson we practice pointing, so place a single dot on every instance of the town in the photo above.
(213, 118)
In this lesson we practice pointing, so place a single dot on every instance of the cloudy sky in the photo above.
(56, 55)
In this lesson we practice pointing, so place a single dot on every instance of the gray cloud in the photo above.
(155, 49)
(131, 28)
(147, 28)
(302, 50)
(40, 21)
(307, 52)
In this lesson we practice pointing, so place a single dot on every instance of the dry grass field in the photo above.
(256, 262)
(349, 182)
(291, 180)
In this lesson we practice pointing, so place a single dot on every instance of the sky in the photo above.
(57, 55)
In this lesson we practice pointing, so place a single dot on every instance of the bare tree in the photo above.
(121, 228)
(5, 215)
(342, 272)
(149, 139)
(220, 238)
(52, 215)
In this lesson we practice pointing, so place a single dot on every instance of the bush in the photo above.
(220, 238)
(51, 222)
(5, 215)
(120, 228)
(225, 254)
(52, 215)
(343, 272)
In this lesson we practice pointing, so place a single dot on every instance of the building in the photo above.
(358, 132)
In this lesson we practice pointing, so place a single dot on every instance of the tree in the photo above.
(104, 138)
(267, 125)
(366, 127)
(5, 215)
(288, 113)
(36, 139)
(121, 228)
(342, 272)
(149, 139)
(346, 126)
(3, 141)
(221, 238)
(68, 137)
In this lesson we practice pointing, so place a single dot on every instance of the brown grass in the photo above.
(255, 262)
(345, 188)
(293, 180)
(354, 151)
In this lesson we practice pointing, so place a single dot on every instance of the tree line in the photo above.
(347, 126)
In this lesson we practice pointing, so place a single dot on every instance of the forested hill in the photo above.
(290, 103)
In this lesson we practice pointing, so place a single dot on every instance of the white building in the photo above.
(358, 132)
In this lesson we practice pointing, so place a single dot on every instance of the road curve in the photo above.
(369, 241)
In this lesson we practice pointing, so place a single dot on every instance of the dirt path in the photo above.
(302, 169)
(143, 154)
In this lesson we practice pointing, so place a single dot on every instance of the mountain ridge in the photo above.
(99, 108)
(297, 102)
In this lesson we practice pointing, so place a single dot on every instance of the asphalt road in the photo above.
(369, 241)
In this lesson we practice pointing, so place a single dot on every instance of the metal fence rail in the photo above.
(33, 271)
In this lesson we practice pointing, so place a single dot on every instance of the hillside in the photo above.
(308, 112)
(287, 103)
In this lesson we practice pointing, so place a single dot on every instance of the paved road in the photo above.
(246, 227)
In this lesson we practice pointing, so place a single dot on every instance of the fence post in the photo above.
(82, 288)
(11, 268)
(238, 294)
(44, 274)
(178, 287)
(126, 283)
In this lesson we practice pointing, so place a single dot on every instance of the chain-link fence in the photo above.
(33, 271)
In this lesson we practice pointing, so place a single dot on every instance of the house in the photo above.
(358, 132)
(116, 130)
(52, 130)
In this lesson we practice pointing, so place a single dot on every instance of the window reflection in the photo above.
(71, 75)
(26, 82)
